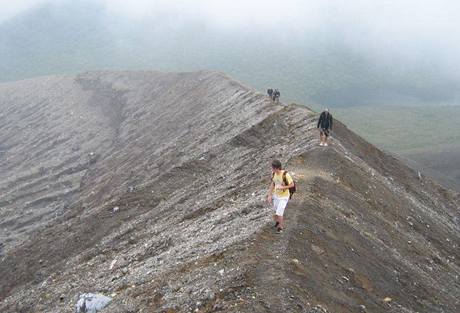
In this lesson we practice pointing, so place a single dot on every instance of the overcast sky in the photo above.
(431, 21)
(402, 18)
(428, 28)
(427, 15)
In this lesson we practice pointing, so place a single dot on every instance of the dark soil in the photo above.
(155, 197)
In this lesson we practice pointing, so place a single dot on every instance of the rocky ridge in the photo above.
(149, 188)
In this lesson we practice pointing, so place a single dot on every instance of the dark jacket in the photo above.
(325, 120)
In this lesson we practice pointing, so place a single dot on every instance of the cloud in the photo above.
(9, 9)
(427, 15)
(367, 24)
(420, 29)
(392, 17)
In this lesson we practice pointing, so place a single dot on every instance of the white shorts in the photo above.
(279, 204)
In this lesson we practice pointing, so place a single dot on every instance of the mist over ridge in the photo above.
(339, 55)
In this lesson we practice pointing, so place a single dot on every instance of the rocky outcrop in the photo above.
(91, 303)
(149, 187)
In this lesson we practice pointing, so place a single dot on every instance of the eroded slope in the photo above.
(185, 159)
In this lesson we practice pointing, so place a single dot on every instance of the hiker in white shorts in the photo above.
(278, 193)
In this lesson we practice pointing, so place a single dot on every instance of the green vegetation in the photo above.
(405, 130)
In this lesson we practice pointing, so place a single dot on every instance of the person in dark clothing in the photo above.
(324, 126)
(276, 95)
(270, 93)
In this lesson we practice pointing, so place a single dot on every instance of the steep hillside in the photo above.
(413, 133)
(149, 188)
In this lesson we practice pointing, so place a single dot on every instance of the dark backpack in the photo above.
(326, 120)
(293, 189)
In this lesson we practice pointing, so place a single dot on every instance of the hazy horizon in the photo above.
(355, 52)
(389, 69)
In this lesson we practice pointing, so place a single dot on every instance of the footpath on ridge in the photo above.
(149, 188)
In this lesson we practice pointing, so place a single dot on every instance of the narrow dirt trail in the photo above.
(273, 259)
(339, 231)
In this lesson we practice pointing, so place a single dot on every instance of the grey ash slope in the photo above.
(184, 157)
(121, 126)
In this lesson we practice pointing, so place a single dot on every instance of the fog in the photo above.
(411, 38)
(408, 29)
(422, 21)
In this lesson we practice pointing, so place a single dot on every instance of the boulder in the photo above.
(91, 303)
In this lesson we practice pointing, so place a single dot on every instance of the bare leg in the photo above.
(281, 221)
(275, 218)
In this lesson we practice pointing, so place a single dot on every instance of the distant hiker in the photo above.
(325, 126)
(270, 93)
(279, 193)
(276, 95)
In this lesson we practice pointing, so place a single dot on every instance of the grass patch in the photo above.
(404, 129)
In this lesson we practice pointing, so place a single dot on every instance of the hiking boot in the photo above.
(279, 230)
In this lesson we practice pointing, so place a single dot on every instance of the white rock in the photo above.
(113, 263)
(91, 303)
